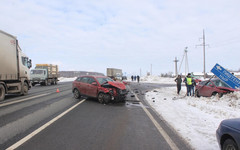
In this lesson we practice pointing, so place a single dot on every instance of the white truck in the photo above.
(14, 67)
(114, 73)
(44, 74)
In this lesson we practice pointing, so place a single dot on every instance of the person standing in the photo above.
(188, 81)
(135, 77)
(193, 87)
(132, 77)
(178, 80)
(138, 78)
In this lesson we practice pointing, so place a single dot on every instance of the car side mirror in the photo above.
(211, 85)
(94, 83)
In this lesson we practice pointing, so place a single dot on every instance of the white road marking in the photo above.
(157, 125)
(22, 100)
(26, 138)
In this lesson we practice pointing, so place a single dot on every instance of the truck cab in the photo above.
(44, 74)
(14, 68)
(38, 76)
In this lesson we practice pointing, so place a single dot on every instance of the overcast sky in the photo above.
(92, 35)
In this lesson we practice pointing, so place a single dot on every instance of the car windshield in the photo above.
(219, 83)
(36, 71)
(103, 80)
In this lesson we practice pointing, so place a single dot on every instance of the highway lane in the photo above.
(19, 118)
(89, 125)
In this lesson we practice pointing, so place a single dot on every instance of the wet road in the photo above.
(87, 125)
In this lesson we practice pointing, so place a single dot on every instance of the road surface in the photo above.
(45, 119)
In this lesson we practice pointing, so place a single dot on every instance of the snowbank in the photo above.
(196, 119)
(63, 79)
(157, 79)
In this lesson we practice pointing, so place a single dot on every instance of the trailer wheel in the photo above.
(25, 89)
(2, 92)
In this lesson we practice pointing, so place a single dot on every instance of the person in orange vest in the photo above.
(189, 83)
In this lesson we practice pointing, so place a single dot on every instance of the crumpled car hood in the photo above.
(116, 84)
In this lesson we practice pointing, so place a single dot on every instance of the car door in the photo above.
(77, 83)
(206, 90)
(92, 87)
(83, 85)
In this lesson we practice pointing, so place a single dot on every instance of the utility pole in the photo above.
(176, 72)
(204, 56)
(186, 61)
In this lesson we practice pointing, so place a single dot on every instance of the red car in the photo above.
(101, 87)
(212, 87)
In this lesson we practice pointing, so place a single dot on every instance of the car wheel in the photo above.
(229, 144)
(25, 89)
(2, 92)
(107, 98)
(218, 94)
(101, 98)
(197, 93)
(76, 94)
(214, 93)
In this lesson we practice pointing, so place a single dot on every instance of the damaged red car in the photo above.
(213, 87)
(101, 87)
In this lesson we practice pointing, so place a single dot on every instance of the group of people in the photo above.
(189, 82)
(134, 78)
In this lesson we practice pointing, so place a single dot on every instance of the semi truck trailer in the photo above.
(44, 74)
(14, 67)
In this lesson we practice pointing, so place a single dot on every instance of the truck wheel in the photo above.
(55, 81)
(101, 98)
(2, 92)
(76, 94)
(46, 82)
(25, 89)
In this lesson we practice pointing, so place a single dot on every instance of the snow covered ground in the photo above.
(196, 119)
(62, 79)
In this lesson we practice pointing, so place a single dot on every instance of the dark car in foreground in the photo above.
(228, 134)
(213, 87)
(101, 87)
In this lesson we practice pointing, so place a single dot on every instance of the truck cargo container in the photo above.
(14, 68)
(114, 73)
(44, 74)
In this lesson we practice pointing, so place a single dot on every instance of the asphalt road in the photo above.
(24, 121)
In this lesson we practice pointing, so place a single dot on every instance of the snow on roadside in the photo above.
(196, 119)
(157, 79)
(63, 79)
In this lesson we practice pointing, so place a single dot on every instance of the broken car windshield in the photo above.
(103, 80)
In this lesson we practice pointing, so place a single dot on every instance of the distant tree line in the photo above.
(169, 74)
